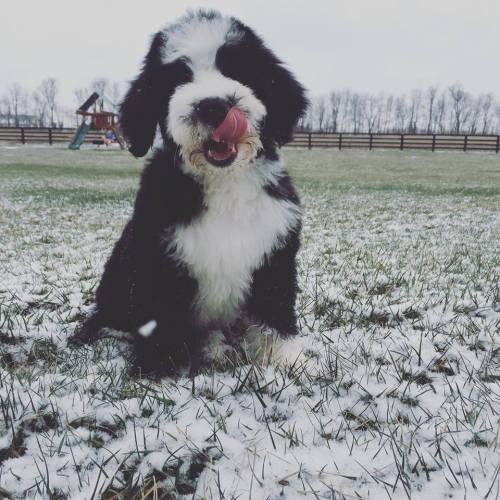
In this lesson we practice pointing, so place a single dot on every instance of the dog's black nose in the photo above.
(212, 111)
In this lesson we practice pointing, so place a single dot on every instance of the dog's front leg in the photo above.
(165, 339)
(165, 346)
(274, 289)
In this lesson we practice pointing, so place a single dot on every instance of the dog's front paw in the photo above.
(87, 332)
(218, 352)
(289, 351)
(154, 360)
(264, 345)
(158, 355)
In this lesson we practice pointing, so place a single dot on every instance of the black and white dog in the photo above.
(212, 242)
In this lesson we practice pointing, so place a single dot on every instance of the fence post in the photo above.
(466, 138)
(50, 136)
(340, 141)
(371, 141)
(402, 142)
(498, 144)
(309, 140)
(23, 137)
(433, 142)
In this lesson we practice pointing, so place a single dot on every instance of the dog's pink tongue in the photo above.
(232, 129)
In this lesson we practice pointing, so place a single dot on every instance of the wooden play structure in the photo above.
(105, 121)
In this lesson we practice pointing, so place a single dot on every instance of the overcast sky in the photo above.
(364, 45)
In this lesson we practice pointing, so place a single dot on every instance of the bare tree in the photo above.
(357, 111)
(497, 118)
(6, 111)
(80, 95)
(115, 96)
(460, 102)
(414, 110)
(17, 98)
(372, 112)
(344, 113)
(431, 104)
(441, 109)
(335, 105)
(39, 109)
(387, 120)
(319, 110)
(100, 85)
(48, 90)
(306, 121)
(401, 113)
(476, 105)
(486, 108)
(452, 110)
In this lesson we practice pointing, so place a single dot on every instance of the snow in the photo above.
(147, 329)
(395, 392)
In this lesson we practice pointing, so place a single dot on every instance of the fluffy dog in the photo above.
(212, 243)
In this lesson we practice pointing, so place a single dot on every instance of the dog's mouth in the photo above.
(221, 148)
(220, 153)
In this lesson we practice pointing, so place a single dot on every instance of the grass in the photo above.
(423, 171)
(397, 396)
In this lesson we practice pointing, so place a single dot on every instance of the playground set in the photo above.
(104, 121)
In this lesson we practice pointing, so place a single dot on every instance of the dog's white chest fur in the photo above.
(242, 224)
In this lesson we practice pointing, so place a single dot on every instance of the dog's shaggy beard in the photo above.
(195, 161)
(192, 136)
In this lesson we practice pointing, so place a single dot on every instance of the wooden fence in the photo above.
(25, 135)
(340, 141)
(430, 142)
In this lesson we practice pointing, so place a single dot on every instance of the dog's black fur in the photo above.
(142, 281)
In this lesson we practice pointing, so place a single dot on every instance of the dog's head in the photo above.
(215, 90)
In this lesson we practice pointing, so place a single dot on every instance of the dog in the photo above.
(212, 242)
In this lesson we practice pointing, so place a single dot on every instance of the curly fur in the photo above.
(208, 249)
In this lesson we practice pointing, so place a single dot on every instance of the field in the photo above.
(397, 394)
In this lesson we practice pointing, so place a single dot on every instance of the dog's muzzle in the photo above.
(228, 125)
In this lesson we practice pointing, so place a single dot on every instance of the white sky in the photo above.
(364, 45)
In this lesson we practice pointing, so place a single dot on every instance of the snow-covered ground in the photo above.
(397, 394)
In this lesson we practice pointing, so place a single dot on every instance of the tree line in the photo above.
(42, 107)
(436, 110)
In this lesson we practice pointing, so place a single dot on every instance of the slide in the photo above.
(79, 136)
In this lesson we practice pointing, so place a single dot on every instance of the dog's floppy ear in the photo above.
(248, 60)
(141, 108)
(286, 103)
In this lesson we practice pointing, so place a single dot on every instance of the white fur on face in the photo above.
(229, 241)
(209, 83)
(196, 40)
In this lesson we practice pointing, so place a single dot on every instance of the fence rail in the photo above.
(25, 135)
(310, 140)
(430, 142)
